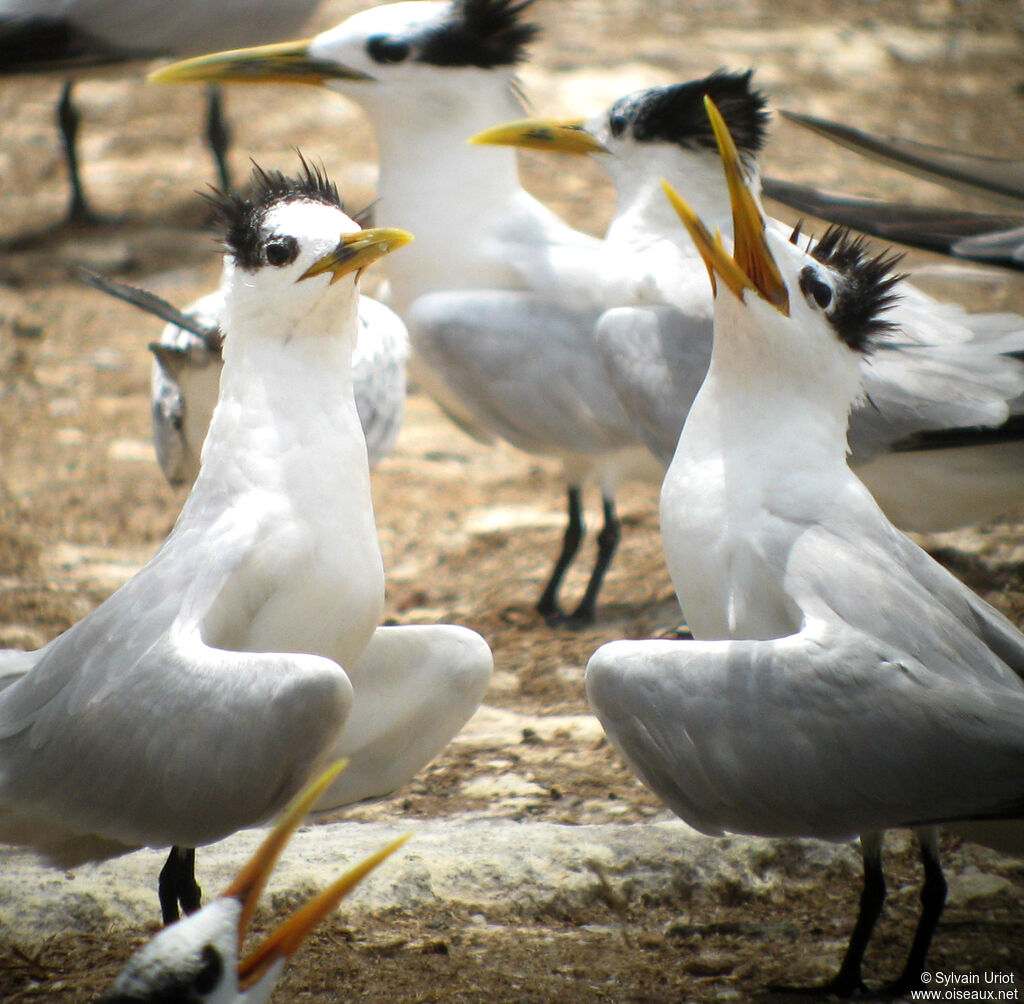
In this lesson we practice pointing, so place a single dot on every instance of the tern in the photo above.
(500, 355)
(842, 682)
(199, 697)
(100, 37)
(989, 238)
(939, 436)
(197, 959)
(186, 375)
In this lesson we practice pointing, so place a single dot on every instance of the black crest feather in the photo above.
(484, 33)
(676, 113)
(240, 217)
(868, 288)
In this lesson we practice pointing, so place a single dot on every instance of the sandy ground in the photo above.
(468, 533)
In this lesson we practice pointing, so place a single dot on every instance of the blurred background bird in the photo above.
(76, 38)
(188, 361)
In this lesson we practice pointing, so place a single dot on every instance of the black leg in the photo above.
(607, 544)
(933, 900)
(68, 121)
(218, 134)
(547, 605)
(178, 884)
(848, 980)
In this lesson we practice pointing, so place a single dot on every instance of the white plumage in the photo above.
(185, 376)
(842, 682)
(495, 341)
(198, 698)
(937, 436)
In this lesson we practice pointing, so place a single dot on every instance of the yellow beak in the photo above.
(357, 250)
(282, 63)
(252, 879)
(560, 136)
(750, 266)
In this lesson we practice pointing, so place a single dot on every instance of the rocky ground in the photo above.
(540, 869)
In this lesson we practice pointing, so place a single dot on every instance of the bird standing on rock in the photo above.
(199, 697)
(842, 682)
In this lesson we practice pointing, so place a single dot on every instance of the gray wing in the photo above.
(915, 388)
(527, 367)
(825, 733)
(128, 729)
(998, 246)
(656, 359)
(378, 372)
(416, 685)
(184, 383)
(858, 569)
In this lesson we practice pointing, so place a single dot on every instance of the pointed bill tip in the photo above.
(357, 250)
(250, 882)
(280, 63)
(287, 938)
(750, 249)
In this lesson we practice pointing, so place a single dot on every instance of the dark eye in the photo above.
(210, 971)
(384, 49)
(281, 251)
(813, 287)
(617, 124)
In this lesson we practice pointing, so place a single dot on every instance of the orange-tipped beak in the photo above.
(750, 266)
(285, 941)
(250, 882)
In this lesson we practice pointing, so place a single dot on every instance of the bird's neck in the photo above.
(285, 419)
(453, 196)
(643, 208)
(754, 466)
(770, 422)
(427, 165)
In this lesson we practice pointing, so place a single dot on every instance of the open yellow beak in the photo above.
(357, 250)
(281, 63)
(252, 879)
(559, 136)
(750, 266)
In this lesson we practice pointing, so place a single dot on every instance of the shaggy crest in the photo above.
(483, 33)
(241, 217)
(676, 113)
(867, 290)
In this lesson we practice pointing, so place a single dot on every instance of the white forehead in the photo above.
(312, 223)
(403, 18)
(790, 258)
